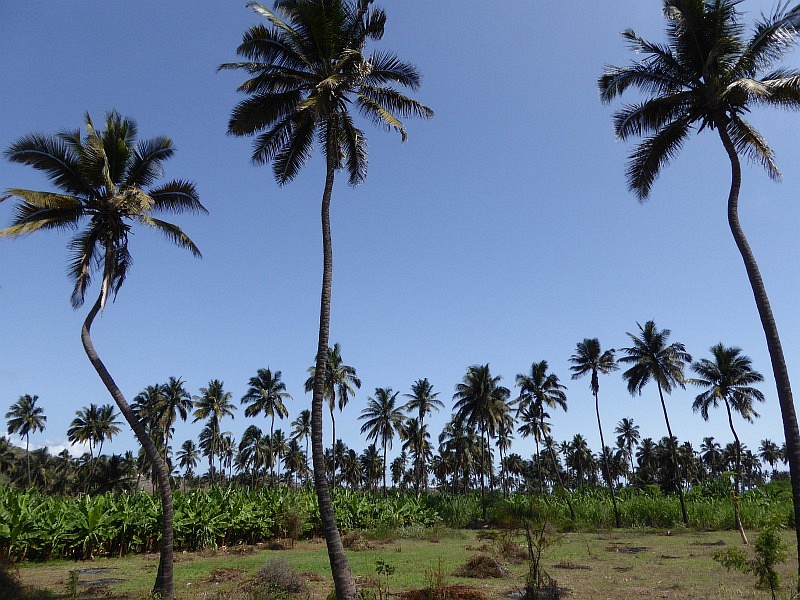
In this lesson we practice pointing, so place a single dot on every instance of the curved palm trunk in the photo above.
(164, 585)
(605, 462)
(333, 419)
(674, 459)
(340, 568)
(779, 370)
(737, 478)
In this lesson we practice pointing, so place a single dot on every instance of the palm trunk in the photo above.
(605, 462)
(674, 459)
(340, 568)
(164, 585)
(384, 469)
(781, 374)
(333, 430)
(561, 483)
(737, 477)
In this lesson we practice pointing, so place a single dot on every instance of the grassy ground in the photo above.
(616, 564)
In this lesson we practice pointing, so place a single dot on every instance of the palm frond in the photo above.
(395, 102)
(53, 156)
(293, 154)
(650, 116)
(261, 111)
(31, 217)
(177, 196)
(172, 232)
(145, 165)
(652, 154)
(387, 67)
(753, 145)
(354, 149)
(84, 258)
(267, 145)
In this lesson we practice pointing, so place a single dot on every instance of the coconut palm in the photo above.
(459, 448)
(177, 403)
(590, 359)
(770, 453)
(481, 401)
(306, 70)
(105, 181)
(382, 420)
(539, 388)
(301, 430)
(340, 384)
(627, 437)
(711, 455)
(188, 457)
(213, 403)
(728, 378)
(266, 394)
(93, 426)
(652, 359)
(422, 400)
(708, 76)
(24, 418)
(416, 440)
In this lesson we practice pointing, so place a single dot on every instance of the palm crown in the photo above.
(307, 69)
(103, 179)
(707, 75)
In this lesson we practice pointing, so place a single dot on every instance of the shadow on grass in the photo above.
(11, 586)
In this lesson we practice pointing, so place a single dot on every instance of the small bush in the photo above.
(279, 575)
(481, 566)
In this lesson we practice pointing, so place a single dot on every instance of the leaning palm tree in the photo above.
(481, 401)
(213, 404)
(652, 359)
(382, 420)
(105, 181)
(266, 394)
(728, 378)
(24, 418)
(589, 358)
(306, 70)
(708, 76)
(339, 385)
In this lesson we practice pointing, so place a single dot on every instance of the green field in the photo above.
(603, 564)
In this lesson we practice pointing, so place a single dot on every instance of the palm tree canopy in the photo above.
(382, 417)
(306, 69)
(708, 74)
(480, 399)
(651, 358)
(266, 394)
(104, 179)
(422, 399)
(24, 417)
(540, 387)
(340, 379)
(728, 378)
(589, 358)
(213, 403)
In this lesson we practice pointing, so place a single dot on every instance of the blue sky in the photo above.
(500, 232)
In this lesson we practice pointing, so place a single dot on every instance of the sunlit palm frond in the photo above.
(654, 153)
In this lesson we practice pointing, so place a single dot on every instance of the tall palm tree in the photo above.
(590, 359)
(305, 72)
(266, 394)
(301, 430)
(708, 76)
(459, 448)
(652, 359)
(728, 378)
(213, 403)
(382, 420)
(105, 181)
(711, 455)
(188, 456)
(481, 401)
(540, 388)
(93, 426)
(24, 418)
(627, 437)
(416, 440)
(770, 453)
(339, 385)
(177, 403)
(422, 400)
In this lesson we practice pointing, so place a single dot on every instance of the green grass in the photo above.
(600, 564)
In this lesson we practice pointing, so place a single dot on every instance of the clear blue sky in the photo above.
(500, 232)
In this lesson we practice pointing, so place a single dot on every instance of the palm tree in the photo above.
(188, 457)
(340, 381)
(382, 420)
(423, 400)
(459, 448)
(305, 72)
(266, 394)
(93, 426)
(24, 418)
(710, 455)
(416, 440)
(177, 402)
(589, 358)
(728, 378)
(481, 401)
(301, 430)
(707, 77)
(540, 388)
(627, 437)
(770, 453)
(651, 359)
(105, 181)
(213, 403)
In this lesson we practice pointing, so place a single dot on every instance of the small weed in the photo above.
(280, 576)
(384, 571)
(770, 551)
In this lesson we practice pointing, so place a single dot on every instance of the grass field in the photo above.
(624, 564)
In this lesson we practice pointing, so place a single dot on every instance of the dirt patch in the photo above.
(481, 566)
(242, 549)
(709, 544)
(571, 566)
(627, 549)
(451, 592)
(225, 574)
